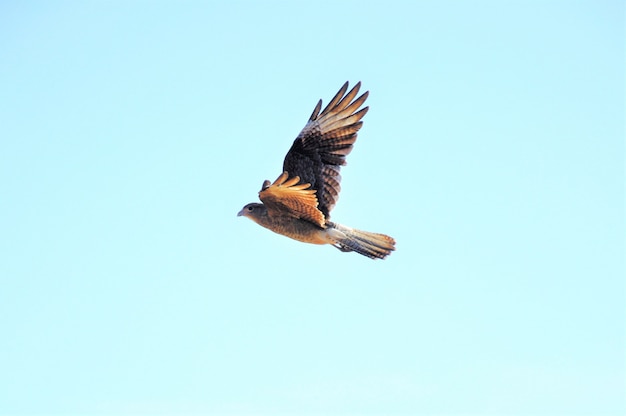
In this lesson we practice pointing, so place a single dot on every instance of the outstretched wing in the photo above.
(286, 197)
(323, 144)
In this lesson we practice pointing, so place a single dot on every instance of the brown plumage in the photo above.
(299, 202)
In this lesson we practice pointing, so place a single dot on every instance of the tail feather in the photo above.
(372, 245)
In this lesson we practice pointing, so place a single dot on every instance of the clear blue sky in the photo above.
(133, 132)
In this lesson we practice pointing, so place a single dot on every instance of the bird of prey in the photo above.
(298, 203)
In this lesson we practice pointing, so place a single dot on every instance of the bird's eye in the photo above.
(250, 208)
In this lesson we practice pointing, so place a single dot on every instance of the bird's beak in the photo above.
(240, 213)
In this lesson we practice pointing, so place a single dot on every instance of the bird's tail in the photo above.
(372, 245)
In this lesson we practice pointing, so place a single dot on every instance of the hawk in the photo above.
(299, 202)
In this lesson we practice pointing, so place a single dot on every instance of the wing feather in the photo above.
(335, 99)
(320, 149)
(286, 196)
(316, 110)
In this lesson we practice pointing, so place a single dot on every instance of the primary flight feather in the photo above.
(299, 202)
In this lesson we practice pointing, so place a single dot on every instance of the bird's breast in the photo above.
(295, 228)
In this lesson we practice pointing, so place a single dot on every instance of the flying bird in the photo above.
(299, 202)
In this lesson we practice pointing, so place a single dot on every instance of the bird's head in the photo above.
(253, 211)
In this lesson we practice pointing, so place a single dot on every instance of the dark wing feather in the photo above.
(320, 149)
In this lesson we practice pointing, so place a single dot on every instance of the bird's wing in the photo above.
(287, 197)
(323, 144)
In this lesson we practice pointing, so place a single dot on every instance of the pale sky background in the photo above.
(132, 132)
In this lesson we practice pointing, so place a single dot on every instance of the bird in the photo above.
(298, 203)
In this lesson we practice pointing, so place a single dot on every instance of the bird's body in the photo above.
(298, 203)
(289, 226)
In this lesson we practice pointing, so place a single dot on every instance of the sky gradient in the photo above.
(133, 132)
